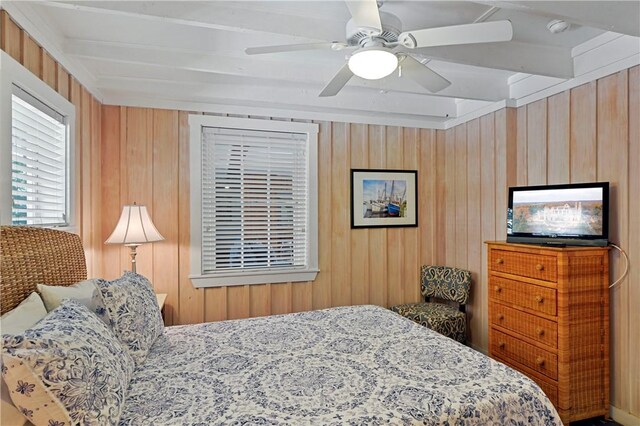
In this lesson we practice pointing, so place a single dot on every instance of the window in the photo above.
(35, 154)
(38, 158)
(254, 212)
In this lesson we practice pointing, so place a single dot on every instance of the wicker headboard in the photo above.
(31, 256)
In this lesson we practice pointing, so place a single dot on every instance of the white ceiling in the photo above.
(176, 53)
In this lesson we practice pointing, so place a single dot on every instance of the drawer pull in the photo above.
(540, 331)
(540, 267)
(500, 317)
(499, 261)
(501, 345)
(540, 361)
(498, 289)
(539, 299)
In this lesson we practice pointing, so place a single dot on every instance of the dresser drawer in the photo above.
(536, 266)
(549, 389)
(531, 326)
(509, 348)
(525, 295)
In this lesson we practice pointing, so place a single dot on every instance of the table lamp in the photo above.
(134, 229)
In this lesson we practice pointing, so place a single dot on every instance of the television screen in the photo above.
(559, 214)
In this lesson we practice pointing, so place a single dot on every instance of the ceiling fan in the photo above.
(379, 41)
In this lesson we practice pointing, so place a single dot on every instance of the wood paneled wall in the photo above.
(589, 133)
(87, 212)
(145, 159)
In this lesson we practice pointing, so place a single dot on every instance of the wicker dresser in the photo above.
(549, 319)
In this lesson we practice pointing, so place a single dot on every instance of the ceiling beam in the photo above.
(353, 99)
(221, 17)
(617, 16)
(467, 83)
(514, 56)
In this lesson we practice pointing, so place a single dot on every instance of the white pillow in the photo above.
(16, 321)
(53, 295)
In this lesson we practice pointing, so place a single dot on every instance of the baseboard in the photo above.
(624, 418)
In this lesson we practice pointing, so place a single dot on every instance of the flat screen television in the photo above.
(574, 214)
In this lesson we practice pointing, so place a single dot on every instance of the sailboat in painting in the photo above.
(395, 203)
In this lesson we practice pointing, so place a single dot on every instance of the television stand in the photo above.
(549, 319)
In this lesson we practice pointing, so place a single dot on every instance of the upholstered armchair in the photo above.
(444, 284)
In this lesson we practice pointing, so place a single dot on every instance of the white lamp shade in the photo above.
(373, 64)
(134, 227)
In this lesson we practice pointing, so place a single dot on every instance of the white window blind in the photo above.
(254, 200)
(39, 162)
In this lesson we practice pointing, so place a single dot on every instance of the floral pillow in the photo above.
(133, 312)
(67, 369)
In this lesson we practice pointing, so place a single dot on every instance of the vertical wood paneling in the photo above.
(301, 297)
(460, 193)
(85, 177)
(487, 210)
(634, 240)
(359, 237)
(110, 179)
(537, 143)
(411, 245)
(260, 300)
(165, 142)
(449, 242)
(238, 303)
(95, 202)
(395, 237)
(215, 302)
(340, 220)
(505, 164)
(583, 133)
(475, 247)
(427, 202)
(521, 150)
(441, 213)
(321, 296)
(11, 40)
(62, 83)
(280, 298)
(31, 55)
(613, 154)
(49, 70)
(558, 138)
(125, 261)
(378, 284)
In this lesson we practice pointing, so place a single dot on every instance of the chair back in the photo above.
(445, 283)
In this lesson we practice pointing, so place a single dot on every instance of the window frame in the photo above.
(255, 276)
(14, 74)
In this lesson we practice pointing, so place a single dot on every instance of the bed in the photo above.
(361, 365)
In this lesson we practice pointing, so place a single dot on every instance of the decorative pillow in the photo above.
(24, 316)
(68, 369)
(133, 312)
(84, 292)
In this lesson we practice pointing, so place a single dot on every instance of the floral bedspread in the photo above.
(361, 365)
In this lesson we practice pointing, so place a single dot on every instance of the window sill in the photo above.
(253, 277)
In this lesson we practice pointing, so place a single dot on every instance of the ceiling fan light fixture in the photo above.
(373, 64)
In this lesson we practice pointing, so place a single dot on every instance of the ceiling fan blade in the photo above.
(423, 75)
(337, 82)
(287, 48)
(483, 32)
(365, 14)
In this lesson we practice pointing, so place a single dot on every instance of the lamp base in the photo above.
(133, 254)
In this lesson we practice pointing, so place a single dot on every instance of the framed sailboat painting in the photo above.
(384, 198)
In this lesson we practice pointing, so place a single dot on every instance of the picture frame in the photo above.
(384, 198)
